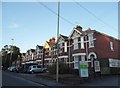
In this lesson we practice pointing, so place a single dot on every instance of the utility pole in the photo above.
(69, 52)
(57, 66)
(11, 51)
(86, 46)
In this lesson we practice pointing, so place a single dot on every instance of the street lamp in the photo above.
(57, 66)
(86, 45)
(11, 51)
(69, 51)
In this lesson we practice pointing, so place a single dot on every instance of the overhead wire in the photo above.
(63, 18)
(99, 19)
(77, 3)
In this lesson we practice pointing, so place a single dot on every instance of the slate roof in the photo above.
(40, 47)
(51, 44)
(65, 37)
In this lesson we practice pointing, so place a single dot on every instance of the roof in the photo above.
(23, 54)
(107, 35)
(33, 50)
(40, 47)
(90, 31)
(65, 37)
(51, 44)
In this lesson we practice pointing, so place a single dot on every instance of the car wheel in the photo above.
(32, 72)
(44, 70)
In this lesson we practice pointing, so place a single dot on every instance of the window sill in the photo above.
(75, 49)
(91, 47)
(82, 48)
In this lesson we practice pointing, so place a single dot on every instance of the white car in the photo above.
(13, 69)
(36, 69)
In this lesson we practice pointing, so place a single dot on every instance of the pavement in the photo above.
(0, 77)
(43, 79)
(73, 80)
(111, 80)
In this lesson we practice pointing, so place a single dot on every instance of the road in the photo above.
(18, 79)
(12, 79)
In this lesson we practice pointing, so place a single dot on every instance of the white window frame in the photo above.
(82, 58)
(65, 48)
(76, 58)
(91, 40)
(75, 43)
(82, 42)
(111, 46)
(60, 47)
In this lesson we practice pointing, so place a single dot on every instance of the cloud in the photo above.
(13, 25)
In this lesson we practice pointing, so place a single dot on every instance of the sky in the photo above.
(31, 23)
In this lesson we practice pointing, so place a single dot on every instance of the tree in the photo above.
(9, 54)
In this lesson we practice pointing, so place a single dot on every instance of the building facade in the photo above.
(39, 55)
(63, 43)
(49, 57)
(81, 45)
(91, 45)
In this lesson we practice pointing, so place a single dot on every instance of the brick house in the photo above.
(92, 45)
(30, 56)
(81, 45)
(23, 57)
(63, 48)
(49, 52)
(39, 55)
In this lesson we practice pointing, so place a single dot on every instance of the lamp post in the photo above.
(69, 51)
(86, 45)
(11, 51)
(57, 66)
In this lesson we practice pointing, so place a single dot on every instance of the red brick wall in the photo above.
(102, 46)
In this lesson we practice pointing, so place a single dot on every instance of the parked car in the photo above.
(3, 68)
(25, 67)
(13, 69)
(36, 68)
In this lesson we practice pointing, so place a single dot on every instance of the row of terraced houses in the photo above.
(80, 45)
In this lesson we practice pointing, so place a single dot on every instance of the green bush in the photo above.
(63, 69)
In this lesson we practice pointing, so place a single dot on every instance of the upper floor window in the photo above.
(65, 48)
(75, 43)
(82, 42)
(60, 45)
(111, 46)
(91, 41)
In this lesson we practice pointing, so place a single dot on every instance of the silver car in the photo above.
(35, 69)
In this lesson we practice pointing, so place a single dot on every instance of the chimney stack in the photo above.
(52, 40)
(78, 28)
